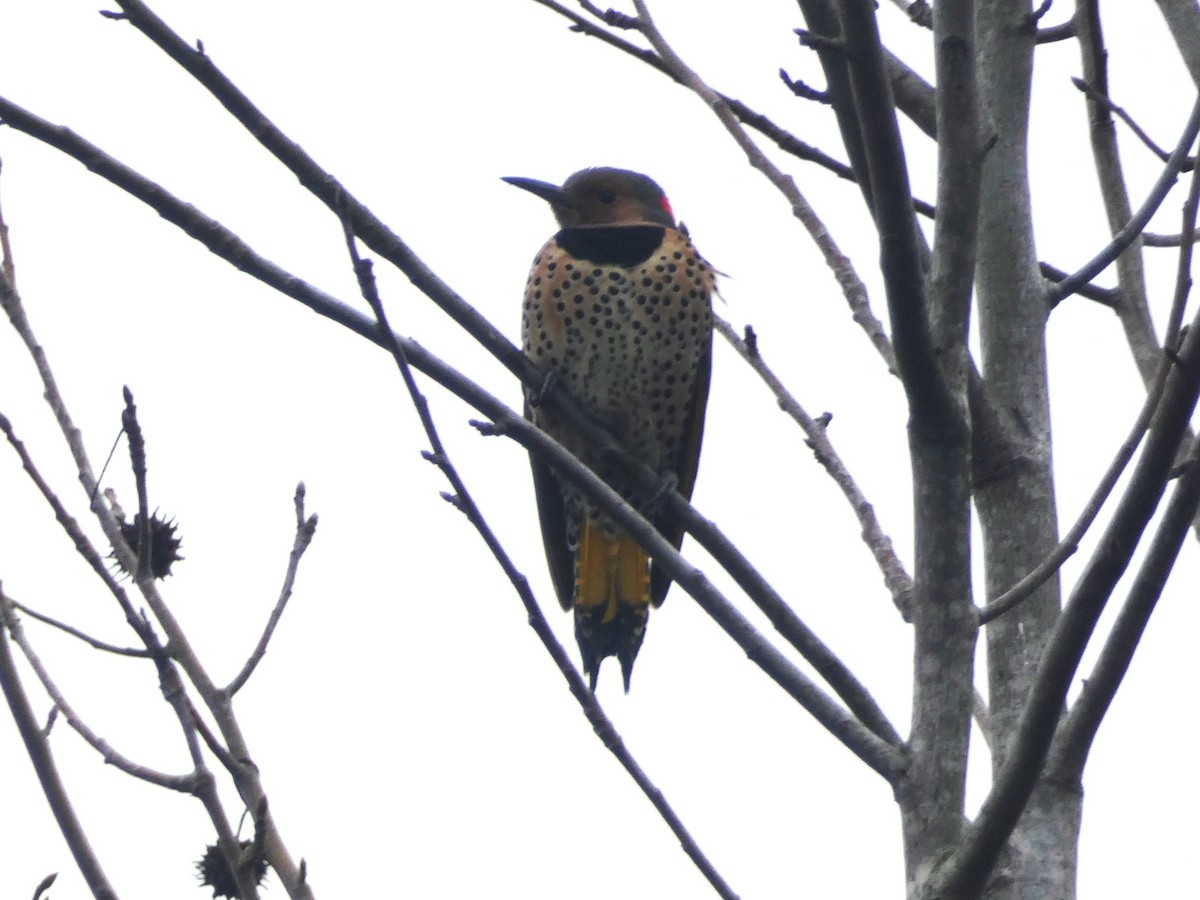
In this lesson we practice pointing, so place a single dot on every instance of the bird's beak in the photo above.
(551, 193)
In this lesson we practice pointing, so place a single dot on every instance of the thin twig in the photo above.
(783, 139)
(897, 580)
(803, 90)
(44, 885)
(1150, 239)
(306, 527)
(1110, 297)
(183, 783)
(75, 632)
(1129, 233)
(137, 457)
(219, 750)
(38, 748)
(83, 544)
(1104, 100)
(1062, 32)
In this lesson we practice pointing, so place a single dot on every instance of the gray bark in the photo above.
(1016, 504)
(1183, 19)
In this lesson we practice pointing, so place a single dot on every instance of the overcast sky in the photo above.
(414, 737)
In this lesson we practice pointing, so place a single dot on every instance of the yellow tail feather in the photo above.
(611, 571)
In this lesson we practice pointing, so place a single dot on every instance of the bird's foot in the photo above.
(666, 487)
(549, 382)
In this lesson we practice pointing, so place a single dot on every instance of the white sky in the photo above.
(414, 737)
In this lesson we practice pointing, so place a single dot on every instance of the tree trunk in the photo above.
(1015, 500)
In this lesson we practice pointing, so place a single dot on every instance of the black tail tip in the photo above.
(621, 637)
(592, 670)
(626, 660)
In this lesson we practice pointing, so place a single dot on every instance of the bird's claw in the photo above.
(549, 382)
(666, 487)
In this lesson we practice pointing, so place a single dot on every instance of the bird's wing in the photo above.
(552, 514)
(689, 461)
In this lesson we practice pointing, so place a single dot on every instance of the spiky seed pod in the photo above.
(164, 543)
(213, 871)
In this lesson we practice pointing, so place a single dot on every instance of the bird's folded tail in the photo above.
(612, 599)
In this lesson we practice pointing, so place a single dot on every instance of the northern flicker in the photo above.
(618, 309)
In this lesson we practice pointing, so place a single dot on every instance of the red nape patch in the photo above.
(666, 204)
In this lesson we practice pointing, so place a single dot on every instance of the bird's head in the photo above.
(603, 196)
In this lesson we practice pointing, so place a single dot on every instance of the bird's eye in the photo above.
(607, 196)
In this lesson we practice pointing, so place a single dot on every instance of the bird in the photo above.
(618, 311)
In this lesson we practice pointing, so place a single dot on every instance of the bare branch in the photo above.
(38, 748)
(137, 456)
(802, 90)
(1099, 96)
(898, 581)
(1133, 228)
(1061, 32)
(7, 264)
(96, 643)
(1078, 731)
(324, 186)
(1134, 310)
(1100, 687)
(219, 750)
(1110, 297)
(83, 545)
(305, 529)
(931, 403)
(44, 885)
(1150, 239)
(786, 141)
(183, 783)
